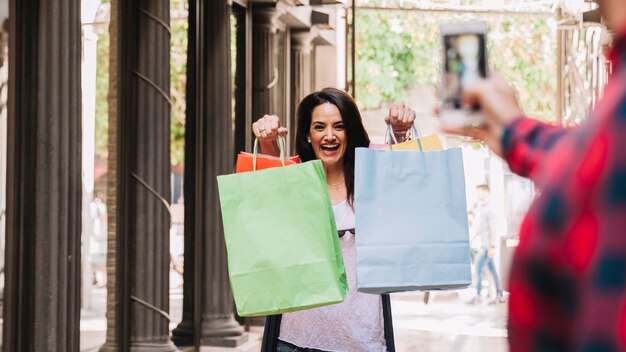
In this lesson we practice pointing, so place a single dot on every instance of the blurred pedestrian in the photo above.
(487, 231)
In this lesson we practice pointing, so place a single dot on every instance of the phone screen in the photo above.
(464, 62)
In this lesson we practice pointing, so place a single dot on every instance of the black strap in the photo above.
(388, 322)
(271, 332)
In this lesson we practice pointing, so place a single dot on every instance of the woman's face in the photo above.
(327, 135)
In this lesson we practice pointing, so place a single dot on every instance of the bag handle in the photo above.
(281, 146)
(413, 133)
(389, 138)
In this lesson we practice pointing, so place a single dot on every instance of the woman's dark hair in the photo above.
(356, 136)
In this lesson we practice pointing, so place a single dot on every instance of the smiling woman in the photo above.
(329, 129)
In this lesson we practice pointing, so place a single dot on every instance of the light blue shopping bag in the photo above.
(411, 221)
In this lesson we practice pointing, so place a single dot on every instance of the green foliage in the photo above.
(102, 92)
(383, 62)
(399, 49)
(178, 74)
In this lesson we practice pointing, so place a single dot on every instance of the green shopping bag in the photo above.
(281, 239)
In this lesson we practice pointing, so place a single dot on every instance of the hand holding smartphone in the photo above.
(464, 60)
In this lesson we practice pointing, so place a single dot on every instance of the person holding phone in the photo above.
(329, 129)
(568, 278)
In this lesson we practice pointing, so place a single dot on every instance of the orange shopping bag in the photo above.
(245, 161)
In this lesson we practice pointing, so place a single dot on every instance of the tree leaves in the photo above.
(399, 49)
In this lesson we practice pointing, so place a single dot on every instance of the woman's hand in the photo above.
(401, 118)
(267, 128)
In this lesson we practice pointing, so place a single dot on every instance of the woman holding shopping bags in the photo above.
(329, 128)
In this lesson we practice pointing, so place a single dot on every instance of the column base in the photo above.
(227, 341)
(224, 326)
(223, 331)
(153, 347)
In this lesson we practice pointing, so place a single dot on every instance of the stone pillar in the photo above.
(214, 144)
(42, 310)
(209, 143)
(150, 149)
(301, 77)
(313, 72)
(264, 66)
(142, 161)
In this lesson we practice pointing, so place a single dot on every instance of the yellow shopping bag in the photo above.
(428, 143)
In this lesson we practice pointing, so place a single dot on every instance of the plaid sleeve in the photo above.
(525, 141)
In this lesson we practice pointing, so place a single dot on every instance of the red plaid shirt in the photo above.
(568, 280)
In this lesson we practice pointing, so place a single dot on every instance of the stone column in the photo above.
(301, 62)
(42, 310)
(264, 66)
(142, 161)
(215, 139)
(149, 252)
(313, 71)
(210, 139)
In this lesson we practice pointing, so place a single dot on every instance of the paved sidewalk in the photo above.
(446, 323)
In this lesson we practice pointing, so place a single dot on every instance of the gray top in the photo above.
(356, 324)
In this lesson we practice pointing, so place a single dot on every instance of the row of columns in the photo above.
(44, 163)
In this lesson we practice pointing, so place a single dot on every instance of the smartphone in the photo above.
(464, 60)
